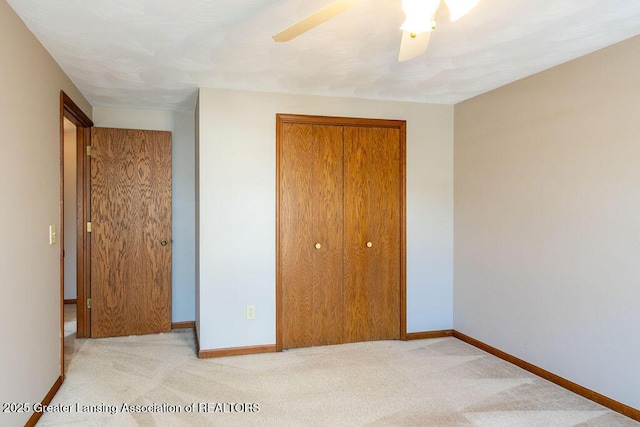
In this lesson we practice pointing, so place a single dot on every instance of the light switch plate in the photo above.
(52, 235)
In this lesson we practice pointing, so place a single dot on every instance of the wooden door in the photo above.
(310, 234)
(372, 261)
(341, 184)
(131, 232)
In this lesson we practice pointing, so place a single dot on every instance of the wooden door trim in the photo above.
(71, 111)
(403, 230)
(340, 121)
(282, 119)
(279, 322)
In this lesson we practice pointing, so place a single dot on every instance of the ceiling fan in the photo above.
(416, 29)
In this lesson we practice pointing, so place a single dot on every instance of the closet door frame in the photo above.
(282, 119)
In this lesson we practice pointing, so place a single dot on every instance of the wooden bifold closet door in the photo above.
(340, 243)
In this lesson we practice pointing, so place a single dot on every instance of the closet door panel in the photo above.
(328, 224)
(372, 215)
(311, 228)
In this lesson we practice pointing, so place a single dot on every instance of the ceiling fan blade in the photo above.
(410, 47)
(329, 11)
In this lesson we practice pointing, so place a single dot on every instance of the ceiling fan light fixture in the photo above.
(419, 15)
(459, 8)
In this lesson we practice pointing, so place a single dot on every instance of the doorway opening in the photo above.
(75, 127)
(69, 163)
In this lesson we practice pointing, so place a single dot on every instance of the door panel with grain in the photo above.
(310, 234)
(341, 186)
(131, 232)
(372, 263)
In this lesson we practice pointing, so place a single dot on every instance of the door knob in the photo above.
(369, 244)
(318, 245)
(164, 242)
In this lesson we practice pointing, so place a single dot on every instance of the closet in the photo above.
(340, 256)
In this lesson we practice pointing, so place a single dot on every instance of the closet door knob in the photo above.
(318, 245)
(369, 244)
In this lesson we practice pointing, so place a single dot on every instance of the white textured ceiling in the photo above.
(156, 53)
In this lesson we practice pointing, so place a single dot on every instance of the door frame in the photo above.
(70, 111)
(281, 119)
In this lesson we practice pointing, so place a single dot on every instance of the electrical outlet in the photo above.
(251, 312)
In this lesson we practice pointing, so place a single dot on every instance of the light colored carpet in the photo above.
(438, 382)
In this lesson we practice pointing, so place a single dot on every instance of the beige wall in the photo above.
(547, 220)
(30, 194)
(237, 202)
(129, 118)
